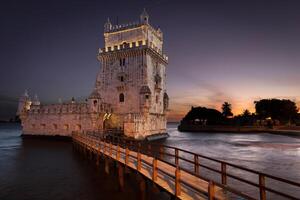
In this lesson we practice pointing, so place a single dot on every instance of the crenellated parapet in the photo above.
(137, 45)
(120, 27)
(67, 108)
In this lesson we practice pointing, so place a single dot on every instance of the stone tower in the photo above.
(132, 78)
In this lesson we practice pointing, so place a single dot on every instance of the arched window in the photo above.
(122, 62)
(121, 97)
(95, 102)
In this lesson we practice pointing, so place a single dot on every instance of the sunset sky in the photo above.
(235, 51)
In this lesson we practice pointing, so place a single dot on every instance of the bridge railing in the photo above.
(221, 175)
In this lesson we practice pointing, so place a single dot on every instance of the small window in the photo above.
(77, 127)
(95, 102)
(147, 96)
(123, 61)
(121, 97)
(66, 127)
(122, 79)
(120, 62)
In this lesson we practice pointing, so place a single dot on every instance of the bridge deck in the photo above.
(191, 187)
(178, 181)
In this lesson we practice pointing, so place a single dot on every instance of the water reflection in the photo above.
(49, 169)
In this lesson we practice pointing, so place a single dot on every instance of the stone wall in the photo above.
(61, 119)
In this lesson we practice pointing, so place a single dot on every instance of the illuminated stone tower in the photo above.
(132, 78)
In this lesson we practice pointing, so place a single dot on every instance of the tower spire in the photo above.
(144, 17)
(107, 25)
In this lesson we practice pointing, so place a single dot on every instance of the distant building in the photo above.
(129, 96)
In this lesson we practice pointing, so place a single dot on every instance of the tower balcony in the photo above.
(134, 45)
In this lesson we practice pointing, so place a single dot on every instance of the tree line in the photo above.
(268, 112)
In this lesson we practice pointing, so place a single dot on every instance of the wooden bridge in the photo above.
(187, 175)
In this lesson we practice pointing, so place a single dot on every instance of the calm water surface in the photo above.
(48, 169)
(277, 155)
(41, 169)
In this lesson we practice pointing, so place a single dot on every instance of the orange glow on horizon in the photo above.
(175, 114)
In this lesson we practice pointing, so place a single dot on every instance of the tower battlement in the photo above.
(133, 45)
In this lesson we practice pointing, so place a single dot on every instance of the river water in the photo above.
(48, 169)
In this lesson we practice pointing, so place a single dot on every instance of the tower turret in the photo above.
(36, 101)
(94, 100)
(144, 17)
(107, 26)
(24, 103)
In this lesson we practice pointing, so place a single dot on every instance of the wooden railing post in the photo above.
(161, 152)
(177, 182)
(139, 164)
(196, 164)
(262, 184)
(118, 153)
(126, 155)
(176, 157)
(211, 190)
(154, 170)
(224, 176)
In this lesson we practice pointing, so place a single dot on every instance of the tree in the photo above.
(283, 110)
(210, 116)
(226, 110)
(246, 113)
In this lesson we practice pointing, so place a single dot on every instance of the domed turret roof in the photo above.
(145, 90)
(95, 94)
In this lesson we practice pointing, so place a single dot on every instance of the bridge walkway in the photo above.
(182, 183)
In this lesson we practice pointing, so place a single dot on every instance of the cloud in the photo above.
(200, 93)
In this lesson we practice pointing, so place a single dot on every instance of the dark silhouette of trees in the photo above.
(271, 111)
(204, 116)
(283, 110)
(244, 119)
(226, 110)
